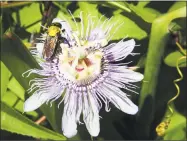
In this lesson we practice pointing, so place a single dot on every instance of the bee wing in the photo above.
(49, 46)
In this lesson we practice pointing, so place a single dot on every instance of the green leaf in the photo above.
(30, 15)
(16, 88)
(181, 21)
(12, 100)
(18, 59)
(177, 5)
(129, 28)
(147, 14)
(119, 5)
(5, 74)
(15, 122)
(67, 17)
(62, 5)
(177, 128)
(142, 4)
(87, 8)
(171, 59)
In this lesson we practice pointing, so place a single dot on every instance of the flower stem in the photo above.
(40, 120)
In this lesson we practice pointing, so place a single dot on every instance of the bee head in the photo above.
(54, 29)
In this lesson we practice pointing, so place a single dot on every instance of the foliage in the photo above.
(171, 59)
(144, 21)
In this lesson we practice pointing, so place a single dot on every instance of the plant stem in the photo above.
(158, 40)
(40, 120)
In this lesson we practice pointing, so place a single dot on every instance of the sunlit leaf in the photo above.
(62, 5)
(13, 101)
(16, 88)
(119, 5)
(66, 17)
(177, 5)
(177, 128)
(86, 9)
(125, 27)
(5, 74)
(30, 17)
(142, 4)
(17, 123)
(171, 59)
(147, 14)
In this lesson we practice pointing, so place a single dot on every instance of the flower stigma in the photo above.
(77, 64)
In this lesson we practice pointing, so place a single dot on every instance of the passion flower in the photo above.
(88, 72)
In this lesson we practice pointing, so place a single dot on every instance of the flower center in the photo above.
(78, 65)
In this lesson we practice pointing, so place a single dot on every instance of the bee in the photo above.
(53, 41)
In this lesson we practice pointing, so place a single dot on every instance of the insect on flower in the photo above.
(89, 73)
(52, 40)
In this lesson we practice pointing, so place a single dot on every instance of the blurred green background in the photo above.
(149, 23)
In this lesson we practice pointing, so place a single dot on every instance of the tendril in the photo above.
(163, 126)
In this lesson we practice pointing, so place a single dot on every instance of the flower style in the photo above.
(88, 71)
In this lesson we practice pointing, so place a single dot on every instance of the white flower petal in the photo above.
(35, 101)
(126, 105)
(120, 50)
(124, 75)
(121, 102)
(134, 77)
(69, 125)
(39, 47)
(79, 107)
(91, 118)
(45, 93)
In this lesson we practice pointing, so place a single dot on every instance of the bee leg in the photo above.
(64, 40)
